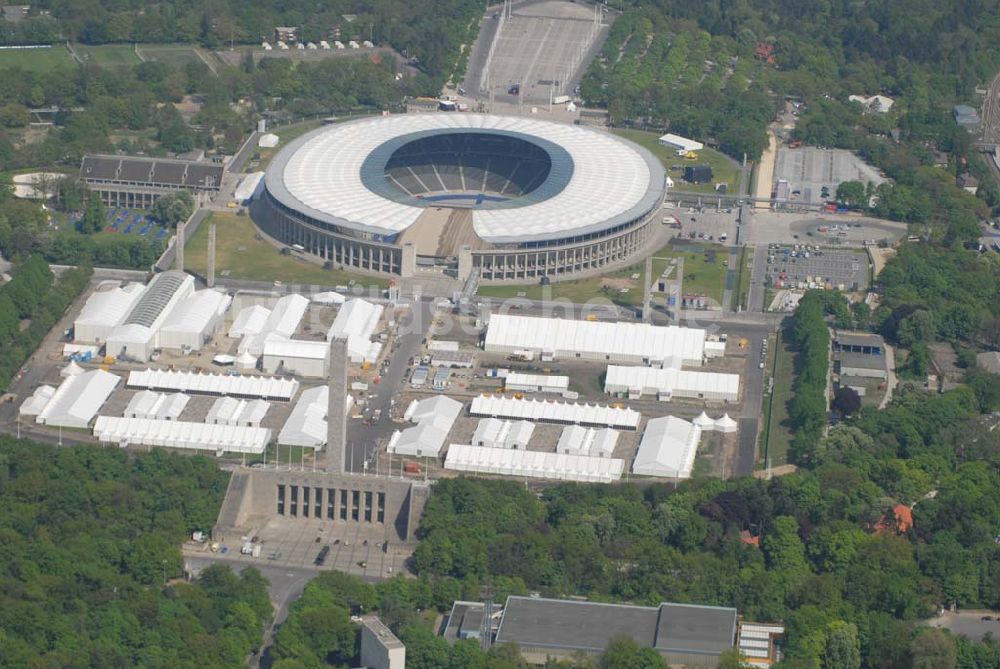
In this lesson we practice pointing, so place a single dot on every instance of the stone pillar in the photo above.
(408, 260)
(647, 294)
(464, 262)
(336, 419)
(210, 274)
(180, 246)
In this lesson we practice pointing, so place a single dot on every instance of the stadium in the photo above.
(511, 198)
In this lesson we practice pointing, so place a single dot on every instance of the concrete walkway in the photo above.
(891, 380)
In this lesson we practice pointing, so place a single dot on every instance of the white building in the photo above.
(496, 433)
(299, 357)
(536, 383)
(594, 415)
(630, 343)
(232, 411)
(873, 104)
(156, 406)
(78, 399)
(668, 448)
(282, 322)
(194, 321)
(434, 418)
(136, 336)
(33, 405)
(358, 320)
(576, 440)
(249, 186)
(106, 307)
(533, 464)
(679, 144)
(380, 649)
(670, 382)
(250, 321)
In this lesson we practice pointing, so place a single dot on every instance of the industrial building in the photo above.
(496, 433)
(78, 399)
(434, 418)
(593, 415)
(358, 320)
(138, 182)
(533, 464)
(670, 382)
(683, 634)
(536, 383)
(135, 337)
(759, 644)
(618, 342)
(576, 440)
(294, 356)
(860, 354)
(668, 448)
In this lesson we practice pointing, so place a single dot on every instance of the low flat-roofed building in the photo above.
(990, 361)
(684, 634)
(858, 342)
(466, 621)
(859, 364)
(380, 649)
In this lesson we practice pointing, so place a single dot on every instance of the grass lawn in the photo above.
(286, 134)
(724, 169)
(245, 256)
(699, 277)
(743, 272)
(108, 55)
(36, 60)
(776, 434)
(174, 54)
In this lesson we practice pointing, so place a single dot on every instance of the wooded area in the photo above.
(89, 539)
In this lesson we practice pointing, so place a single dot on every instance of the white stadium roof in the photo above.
(533, 464)
(610, 181)
(639, 343)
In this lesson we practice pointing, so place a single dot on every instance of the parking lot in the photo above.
(813, 173)
(808, 266)
(769, 227)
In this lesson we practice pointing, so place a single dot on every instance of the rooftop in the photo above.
(861, 361)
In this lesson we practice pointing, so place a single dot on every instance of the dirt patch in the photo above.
(618, 282)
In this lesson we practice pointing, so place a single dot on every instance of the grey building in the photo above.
(380, 649)
(859, 365)
(966, 116)
(990, 361)
(860, 354)
(684, 634)
(137, 181)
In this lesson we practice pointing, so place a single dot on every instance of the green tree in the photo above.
(626, 653)
(173, 208)
(933, 649)
(93, 215)
(843, 649)
(852, 194)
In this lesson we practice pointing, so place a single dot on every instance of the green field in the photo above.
(244, 255)
(776, 435)
(108, 55)
(36, 60)
(724, 170)
(700, 276)
(174, 54)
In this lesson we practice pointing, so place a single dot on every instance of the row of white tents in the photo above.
(533, 464)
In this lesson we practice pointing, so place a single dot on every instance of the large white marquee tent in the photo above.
(78, 399)
(632, 343)
(434, 418)
(106, 307)
(181, 434)
(158, 406)
(668, 448)
(533, 464)
(264, 387)
(670, 382)
(357, 320)
(596, 415)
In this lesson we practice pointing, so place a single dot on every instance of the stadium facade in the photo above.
(513, 198)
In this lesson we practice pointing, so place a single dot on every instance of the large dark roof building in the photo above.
(135, 181)
(686, 634)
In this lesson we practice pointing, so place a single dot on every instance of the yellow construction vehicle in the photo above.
(592, 317)
(691, 155)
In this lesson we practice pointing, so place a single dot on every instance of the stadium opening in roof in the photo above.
(511, 198)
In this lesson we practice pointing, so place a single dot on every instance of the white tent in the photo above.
(557, 338)
(194, 320)
(536, 383)
(328, 297)
(249, 321)
(231, 411)
(137, 335)
(268, 141)
(299, 357)
(246, 361)
(533, 464)
(671, 381)
(496, 433)
(32, 406)
(668, 448)
(726, 425)
(704, 422)
(158, 406)
(434, 418)
(78, 399)
(72, 369)
(576, 440)
(249, 186)
(265, 387)
(306, 425)
(358, 320)
(596, 415)
(179, 434)
(105, 309)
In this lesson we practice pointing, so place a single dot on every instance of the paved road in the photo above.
(755, 301)
(363, 439)
(991, 111)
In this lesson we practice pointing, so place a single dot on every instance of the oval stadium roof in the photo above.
(604, 181)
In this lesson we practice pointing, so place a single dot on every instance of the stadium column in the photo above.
(408, 260)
